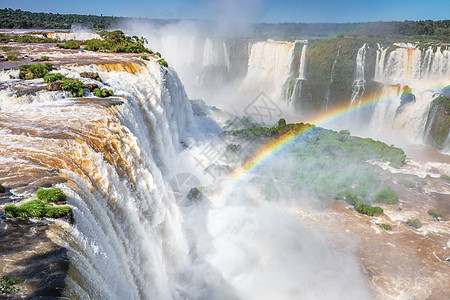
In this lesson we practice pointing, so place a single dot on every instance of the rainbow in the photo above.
(275, 146)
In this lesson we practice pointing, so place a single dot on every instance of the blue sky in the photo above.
(250, 10)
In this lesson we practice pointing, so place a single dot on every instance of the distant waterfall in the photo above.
(359, 81)
(269, 70)
(327, 94)
(297, 90)
(408, 65)
(412, 79)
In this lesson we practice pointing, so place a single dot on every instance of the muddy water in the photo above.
(405, 263)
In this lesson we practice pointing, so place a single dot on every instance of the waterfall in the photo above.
(380, 61)
(297, 90)
(127, 242)
(269, 69)
(413, 66)
(423, 73)
(327, 94)
(359, 81)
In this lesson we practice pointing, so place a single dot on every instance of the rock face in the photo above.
(438, 123)
(55, 85)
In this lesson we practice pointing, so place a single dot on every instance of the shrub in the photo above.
(70, 44)
(51, 77)
(158, 54)
(103, 93)
(367, 209)
(34, 71)
(12, 56)
(74, 86)
(2, 189)
(117, 41)
(386, 196)
(446, 177)
(51, 195)
(8, 284)
(435, 213)
(37, 209)
(163, 63)
(414, 223)
(45, 58)
(407, 183)
(386, 226)
(144, 57)
(348, 196)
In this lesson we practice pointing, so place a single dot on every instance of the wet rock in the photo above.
(55, 85)
(91, 87)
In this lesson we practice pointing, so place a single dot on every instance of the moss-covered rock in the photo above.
(435, 213)
(37, 209)
(54, 195)
(438, 123)
(386, 226)
(367, 209)
(415, 223)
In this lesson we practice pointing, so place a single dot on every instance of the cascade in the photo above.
(406, 68)
(269, 68)
(359, 81)
(127, 242)
(327, 94)
(297, 91)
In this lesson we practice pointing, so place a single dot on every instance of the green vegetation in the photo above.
(8, 284)
(54, 195)
(414, 223)
(367, 209)
(4, 38)
(163, 63)
(70, 44)
(435, 213)
(37, 209)
(320, 58)
(2, 188)
(446, 177)
(438, 122)
(144, 57)
(407, 183)
(349, 196)
(45, 58)
(386, 196)
(12, 56)
(7, 48)
(51, 77)
(74, 86)
(158, 54)
(91, 75)
(117, 41)
(103, 93)
(322, 161)
(386, 226)
(34, 71)
(422, 30)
